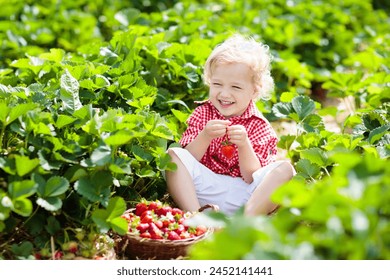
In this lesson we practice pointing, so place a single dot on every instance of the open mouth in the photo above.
(225, 103)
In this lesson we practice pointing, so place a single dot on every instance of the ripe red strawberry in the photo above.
(227, 149)
(58, 255)
(159, 224)
(140, 208)
(200, 230)
(185, 235)
(154, 230)
(154, 220)
(177, 212)
(163, 211)
(180, 229)
(156, 236)
(145, 235)
(173, 236)
(154, 206)
(165, 230)
(147, 217)
(166, 223)
(142, 227)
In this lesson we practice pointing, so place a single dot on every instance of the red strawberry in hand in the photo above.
(227, 149)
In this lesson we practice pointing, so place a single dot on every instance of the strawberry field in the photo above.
(93, 92)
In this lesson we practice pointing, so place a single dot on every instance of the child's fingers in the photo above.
(237, 133)
(217, 128)
(236, 129)
(219, 125)
(224, 123)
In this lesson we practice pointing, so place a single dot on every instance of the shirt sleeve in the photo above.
(264, 142)
(196, 122)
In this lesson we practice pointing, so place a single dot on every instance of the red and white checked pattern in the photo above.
(260, 133)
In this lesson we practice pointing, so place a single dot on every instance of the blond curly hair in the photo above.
(240, 49)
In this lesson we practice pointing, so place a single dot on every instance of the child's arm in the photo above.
(213, 129)
(248, 161)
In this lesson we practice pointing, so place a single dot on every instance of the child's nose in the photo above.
(224, 92)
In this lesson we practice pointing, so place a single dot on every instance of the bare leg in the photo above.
(260, 203)
(181, 186)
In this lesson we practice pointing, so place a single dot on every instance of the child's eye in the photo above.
(237, 87)
(216, 84)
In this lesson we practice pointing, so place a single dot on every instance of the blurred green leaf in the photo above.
(24, 249)
(377, 133)
(24, 165)
(110, 217)
(21, 189)
(282, 110)
(303, 106)
(22, 206)
(50, 203)
(307, 168)
(55, 186)
(70, 92)
(316, 155)
(119, 138)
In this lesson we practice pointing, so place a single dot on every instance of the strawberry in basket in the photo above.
(155, 220)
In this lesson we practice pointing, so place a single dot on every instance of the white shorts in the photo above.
(229, 193)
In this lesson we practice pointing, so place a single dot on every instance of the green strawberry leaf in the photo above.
(121, 137)
(111, 216)
(119, 225)
(50, 203)
(377, 133)
(24, 165)
(20, 189)
(303, 106)
(23, 249)
(94, 193)
(99, 216)
(22, 206)
(116, 207)
(70, 92)
(282, 110)
(312, 123)
(316, 155)
(64, 120)
(55, 186)
(307, 169)
(19, 110)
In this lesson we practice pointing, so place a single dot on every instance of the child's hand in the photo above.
(216, 128)
(237, 135)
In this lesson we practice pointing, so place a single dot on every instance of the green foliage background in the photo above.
(93, 92)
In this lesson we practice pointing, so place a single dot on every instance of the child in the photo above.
(237, 73)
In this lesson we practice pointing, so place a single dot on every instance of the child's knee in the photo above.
(286, 169)
(172, 154)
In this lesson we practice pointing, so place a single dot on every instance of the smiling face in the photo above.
(231, 88)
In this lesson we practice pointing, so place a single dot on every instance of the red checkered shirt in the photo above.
(260, 133)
